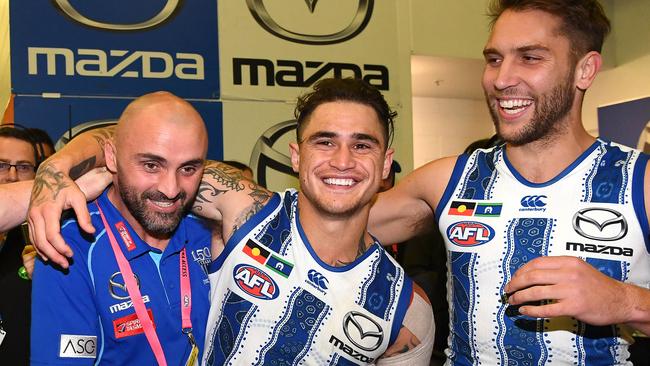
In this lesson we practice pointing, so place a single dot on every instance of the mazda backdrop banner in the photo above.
(115, 48)
(290, 44)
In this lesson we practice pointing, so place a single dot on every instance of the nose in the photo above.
(343, 158)
(168, 184)
(505, 75)
(12, 175)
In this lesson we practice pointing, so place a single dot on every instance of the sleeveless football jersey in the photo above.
(494, 221)
(274, 302)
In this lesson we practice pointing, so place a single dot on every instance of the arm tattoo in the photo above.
(205, 193)
(224, 174)
(82, 168)
(260, 196)
(48, 178)
(102, 135)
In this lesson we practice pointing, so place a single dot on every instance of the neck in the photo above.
(542, 160)
(337, 240)
(116, 200)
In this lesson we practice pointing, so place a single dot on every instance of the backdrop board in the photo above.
(290, 44)
(115, 48)
(626, 123)
(57, 115)
(265, 144)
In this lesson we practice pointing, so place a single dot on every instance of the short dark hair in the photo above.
(16, 133)
(41, 137)
(582, 21)
(347, 90)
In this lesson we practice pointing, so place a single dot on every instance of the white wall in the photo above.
(444, 127)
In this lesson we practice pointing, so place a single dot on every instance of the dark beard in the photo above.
(549, 110)
(156, 224)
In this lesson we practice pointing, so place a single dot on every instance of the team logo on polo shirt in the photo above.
(129, 325)
(255, 282)
(78, 346)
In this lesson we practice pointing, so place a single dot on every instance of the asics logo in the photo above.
(318, 279)
(533, 201)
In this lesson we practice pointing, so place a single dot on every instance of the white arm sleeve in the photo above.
(419, 320)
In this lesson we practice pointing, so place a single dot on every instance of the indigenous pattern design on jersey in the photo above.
(274, 302)
(494, 221)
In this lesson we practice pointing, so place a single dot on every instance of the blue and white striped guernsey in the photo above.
(494, 221)
(274, 302)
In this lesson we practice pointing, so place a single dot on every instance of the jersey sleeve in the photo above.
(65, 326)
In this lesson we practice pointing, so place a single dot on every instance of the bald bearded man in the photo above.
(84, 314)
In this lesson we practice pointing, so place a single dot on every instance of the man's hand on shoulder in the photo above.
(53, 192)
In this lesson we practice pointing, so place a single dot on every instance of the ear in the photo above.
(388, 162)
(110, 155)
(294, 149)
(586, 69)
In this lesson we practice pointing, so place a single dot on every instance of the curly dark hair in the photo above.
(349, 90)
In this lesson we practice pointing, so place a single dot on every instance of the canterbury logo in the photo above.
(533, 201)
(318, 279)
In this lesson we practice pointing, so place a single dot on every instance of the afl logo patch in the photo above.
(255, 282)
(469, 233)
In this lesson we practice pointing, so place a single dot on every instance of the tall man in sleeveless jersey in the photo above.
(547, 234)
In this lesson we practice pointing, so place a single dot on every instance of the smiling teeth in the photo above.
(339, 182)
(515, 103)
(163, 204)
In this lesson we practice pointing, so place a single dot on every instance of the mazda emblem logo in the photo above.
(117, 287)
(600, 224)
(356, 26)
(362, 331)
(164, 14)
(265, 155)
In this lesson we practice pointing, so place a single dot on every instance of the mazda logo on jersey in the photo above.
(255, 282)
(362, 331)
(153, 20)
(469, 233)
(359, 21)
(599, 223)
(117, 286)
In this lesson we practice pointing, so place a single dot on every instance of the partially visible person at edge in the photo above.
(89, 313)
(547, 234)
(300, 279)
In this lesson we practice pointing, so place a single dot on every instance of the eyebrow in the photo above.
(357, 136)
(522, 49)
(17, 161)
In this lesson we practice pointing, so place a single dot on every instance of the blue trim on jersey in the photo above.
(403, 304)
(226, 334)
(373, 248)
(249, 225)
(562, 174)
(275, 234)
(295, 331)
(451, 185)
(602, 342)
(638, 196)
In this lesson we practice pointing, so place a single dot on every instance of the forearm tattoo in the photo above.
(205, 194)
(82, 168)
(226, 175)
(47, 177)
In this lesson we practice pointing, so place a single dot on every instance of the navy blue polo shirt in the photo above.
(84, 315)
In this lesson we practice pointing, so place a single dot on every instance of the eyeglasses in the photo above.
(20, 168)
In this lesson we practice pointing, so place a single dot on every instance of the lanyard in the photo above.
(136, 297)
